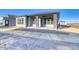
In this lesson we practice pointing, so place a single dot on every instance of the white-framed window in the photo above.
(49, 21)
(20, 21)
(34, 21)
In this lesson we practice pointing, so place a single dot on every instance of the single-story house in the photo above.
(35, 20)
(39, 20)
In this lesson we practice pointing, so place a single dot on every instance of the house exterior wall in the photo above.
(12, 22)
(36, 22)
(9, 20)
(30, 21)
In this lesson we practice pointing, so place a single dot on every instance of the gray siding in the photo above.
(12, 22)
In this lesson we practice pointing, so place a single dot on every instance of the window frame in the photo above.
(20, 20)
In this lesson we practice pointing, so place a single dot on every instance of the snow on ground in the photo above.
(29, 39)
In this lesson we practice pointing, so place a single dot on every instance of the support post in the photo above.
(55, 21)
(37, 21)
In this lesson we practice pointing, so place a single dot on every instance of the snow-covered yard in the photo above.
(31, 39)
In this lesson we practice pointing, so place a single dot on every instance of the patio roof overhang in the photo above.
(45, 15)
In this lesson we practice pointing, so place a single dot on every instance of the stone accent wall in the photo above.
(37, 21)
(55, 21)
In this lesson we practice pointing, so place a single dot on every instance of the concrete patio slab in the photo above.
(31, 39)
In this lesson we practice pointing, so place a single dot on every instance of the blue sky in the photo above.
(65, 14)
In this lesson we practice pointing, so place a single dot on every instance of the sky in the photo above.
(65, 14)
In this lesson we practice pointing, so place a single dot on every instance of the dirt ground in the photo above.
(8, 28)
(70, 29)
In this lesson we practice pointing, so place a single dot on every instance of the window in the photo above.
(49, 21)
(33, 21)
(20, 20)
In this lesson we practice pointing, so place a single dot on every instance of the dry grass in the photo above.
(8, 28)
(70, 29)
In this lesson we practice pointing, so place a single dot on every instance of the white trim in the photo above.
(21, 25)
(39, 22)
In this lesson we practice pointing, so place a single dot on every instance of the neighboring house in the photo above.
(39, 20)
(10, 20)
(1, 22)
(64, 23)
(49, 20)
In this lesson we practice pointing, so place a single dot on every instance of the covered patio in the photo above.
(45, 20)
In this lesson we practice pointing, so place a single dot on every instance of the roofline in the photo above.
(45, 13)
(22, 16)
(38, 14)
(11, 15)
